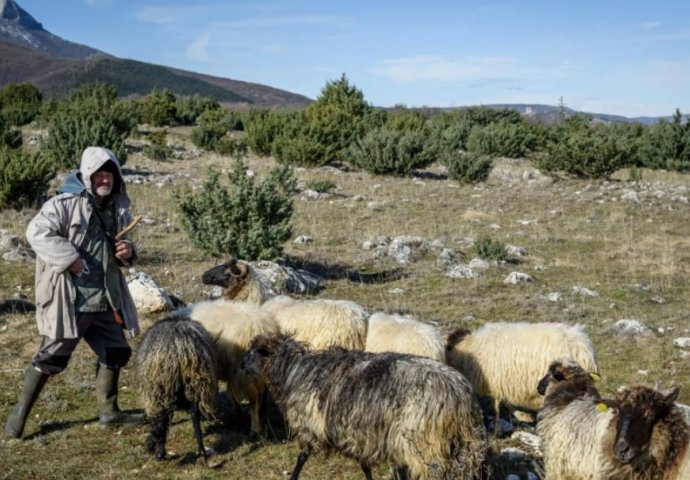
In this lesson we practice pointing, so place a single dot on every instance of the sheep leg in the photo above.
(301, 460)
(198, 436)
(497, 417)
(254, 405)
(367, 470)
(159, 431)
(400, 472)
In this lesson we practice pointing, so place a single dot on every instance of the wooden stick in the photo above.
(129, 227)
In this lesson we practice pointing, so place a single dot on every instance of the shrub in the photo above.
(189, 108)
(467, 167)
(262, 127)
(321, 186)
(328, 126)
(19, 103)
(213, 126)
(158, 149)
(386, 151)
(501, 138)
(24, 178)
(249, 221)
(91, 116)
(159, 108)
(584, 150)
(490, 249)
(666, 145)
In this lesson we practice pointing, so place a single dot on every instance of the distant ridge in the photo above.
(31, 54)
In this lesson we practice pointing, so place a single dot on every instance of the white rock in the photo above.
(584, 292)
(462, 271)
(148, 296)
(517, 277)
(682, 342)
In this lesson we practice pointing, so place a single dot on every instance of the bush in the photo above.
(666, 145)
(19, 103)
(159, 108)
(189, 108)
(261, 127)
(584, 150)
(213, 126)
(91, 116)
(321, 186)
(328, 126)
(386, 151)
(490, 249)
(501, 138)
(24, 178)
(467, 167)
(249, 221)
(158, 148)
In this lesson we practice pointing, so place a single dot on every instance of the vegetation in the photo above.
(248, 221)
(19, 103)
(24, 177)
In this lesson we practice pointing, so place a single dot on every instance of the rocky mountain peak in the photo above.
(10, 11)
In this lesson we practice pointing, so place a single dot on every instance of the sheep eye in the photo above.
(263, 352)
(558, 376)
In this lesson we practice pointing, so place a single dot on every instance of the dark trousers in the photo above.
(105, 337)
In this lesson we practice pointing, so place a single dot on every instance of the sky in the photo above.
(629, 58)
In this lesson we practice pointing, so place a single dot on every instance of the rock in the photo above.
(303, 240)
(283, 279)
(584, 292)
(462, 271)
(629, 327)
(682, 342)
(148, 296)
(517, 277)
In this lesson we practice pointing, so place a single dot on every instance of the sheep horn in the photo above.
(236, 269)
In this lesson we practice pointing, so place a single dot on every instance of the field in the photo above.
(629, 242)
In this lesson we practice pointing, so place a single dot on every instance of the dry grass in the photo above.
(577, 233)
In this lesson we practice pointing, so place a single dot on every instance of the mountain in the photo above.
(31, 54)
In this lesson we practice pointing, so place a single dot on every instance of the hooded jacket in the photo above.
(56, 232)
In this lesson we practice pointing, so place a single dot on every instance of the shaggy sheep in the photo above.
(504, 361)
(402, 334)
(638, 435)
(415, 413)
(176, 364)
(321, 323)
(649, 436)
(570, 424)
(232, 325)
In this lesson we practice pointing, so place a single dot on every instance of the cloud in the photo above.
(165, 15)
(443, 69)
(650, 25)
(325, 21)
(198, 49)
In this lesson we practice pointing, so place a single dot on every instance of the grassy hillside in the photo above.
(577, 233)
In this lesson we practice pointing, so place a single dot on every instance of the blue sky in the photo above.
(629, 57)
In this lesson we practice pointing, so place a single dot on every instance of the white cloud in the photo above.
(650, 25)
(165, 15)
(438, 68)
(198, 49)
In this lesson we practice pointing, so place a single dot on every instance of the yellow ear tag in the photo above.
(595, 377)
(602, 407)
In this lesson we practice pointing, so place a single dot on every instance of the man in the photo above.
(80, 290)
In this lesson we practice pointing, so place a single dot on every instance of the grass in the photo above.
(577, 233)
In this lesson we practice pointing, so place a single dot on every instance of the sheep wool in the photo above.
(415, 413)
(404, 334)
(640, 449)
(176, 364)
(505, 361)
(232, 325)
(570, 424)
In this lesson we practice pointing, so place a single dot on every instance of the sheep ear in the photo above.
(670, 396)
(595, 377)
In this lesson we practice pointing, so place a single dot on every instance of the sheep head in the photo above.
(231, 275)
(639, 410)
(264, 347)
(567, 378)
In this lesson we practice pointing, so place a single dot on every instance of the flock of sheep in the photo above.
(389, 388)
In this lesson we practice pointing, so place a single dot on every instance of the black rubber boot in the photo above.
(109, 413)
(33, 384)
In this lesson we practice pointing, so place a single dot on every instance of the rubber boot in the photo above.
(33, 384)
(106, 394)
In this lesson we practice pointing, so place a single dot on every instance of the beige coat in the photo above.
(54, 234)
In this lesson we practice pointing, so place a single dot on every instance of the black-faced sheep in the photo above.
(638, 435)
(321, 323)
(232, 325)
(176, 365)
(649, 436)
(415, 413)
(404, 334)
(571, 422)
(504, 360)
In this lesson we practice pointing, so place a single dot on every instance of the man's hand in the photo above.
(76, 267)
(123, 249)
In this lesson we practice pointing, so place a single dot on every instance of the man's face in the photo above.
(102, 183)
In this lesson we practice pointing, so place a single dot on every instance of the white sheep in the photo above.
(321, 323)
(504, 360)
(419, 415)
(232, 325)
(404, 334)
